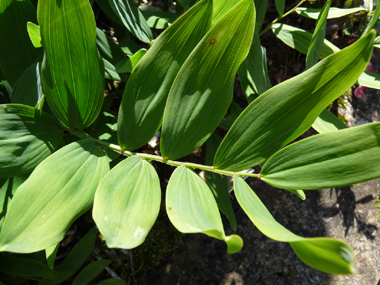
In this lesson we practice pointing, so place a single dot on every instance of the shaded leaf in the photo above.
(191, 208)
(128, 190)
(332, 14)
(25, 267)
(159, 19)
(325, 254)
(111, 282)
(51, 253)
(317, 40)
(203, 88)
(273, 120)
(19, 53)
(234, 112)
(91, 271)
(219, 184)
(77, 256)
(280, 6)
(58, 191)
(72, 72)
(34, 34)
(132, 19)
(128, 64)
(27, 136)
(338, 159)
(300, 39)
(143, 103)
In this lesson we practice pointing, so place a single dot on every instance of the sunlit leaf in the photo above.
(147, 89)
(132, 19)
(128, 64)
(374, 19)
(221, 7)
(159, 19)
(275, 119)
(203, 88)
(333, 12)
(58, 191)
(72, 72)
(127, 203)
(325, 254)
(51, 253)
(338, 159)
(369, 79)
(18, 53)
(27, 136)
(317, 40)
(327, 122)
(34, 34)
(191, 208)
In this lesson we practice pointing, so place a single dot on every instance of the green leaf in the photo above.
(27, 91)
(18, 53)
(300, 39)
(317, 40)
(219, 184)
(332, 14)
(25, 267)
(27, 136)
(338, 159)
(325, 254)
(203, 88)
(34, 34)
(191, 208)
(128, 190)
(77, 256)
(280, 6)
(261, 8)
(111, 282)
(375, 18)
(51, 253)
(253, 73)
(158, 19)
(128, 64)
(234, 112)
(91, 271)
(143, 103)
(132, 19)
(369, 79)
(58, 191)
(221, 7)
(111, 54)
(327, 122)
(72, 72)
(108, 10)
(273, 120)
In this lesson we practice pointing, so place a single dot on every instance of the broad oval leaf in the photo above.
(203, 88)
(325, 254)
(58, 191)
(287, 110)
(337, 159)
(300, 39)
(27, 137)
(191, 208)
(17, 52)
(148, 87)
(132, 19)
(333, 12)
(72, 72)
(127, 203)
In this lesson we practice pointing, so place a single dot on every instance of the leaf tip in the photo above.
(234, 243)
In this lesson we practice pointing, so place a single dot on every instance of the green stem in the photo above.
(147, 156)
(281, 17)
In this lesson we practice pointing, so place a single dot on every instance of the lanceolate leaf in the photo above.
(90, 272)
(375, 18)
(300, 39)
(17, 52)
(58, 191)
(192, 208)
(287, 110)
(72, 72)
(327, 122)
(369, 79)
(132, 18)
(337, 159)
(128, 64)
(219, 183)
(317, 40)
(221, 7)
(325, 254)
(158, 19)
(280, 6)
(127, 203)
(203, 88)
(27, 136)
(333, 12)
(26, 92)
(147, 89)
